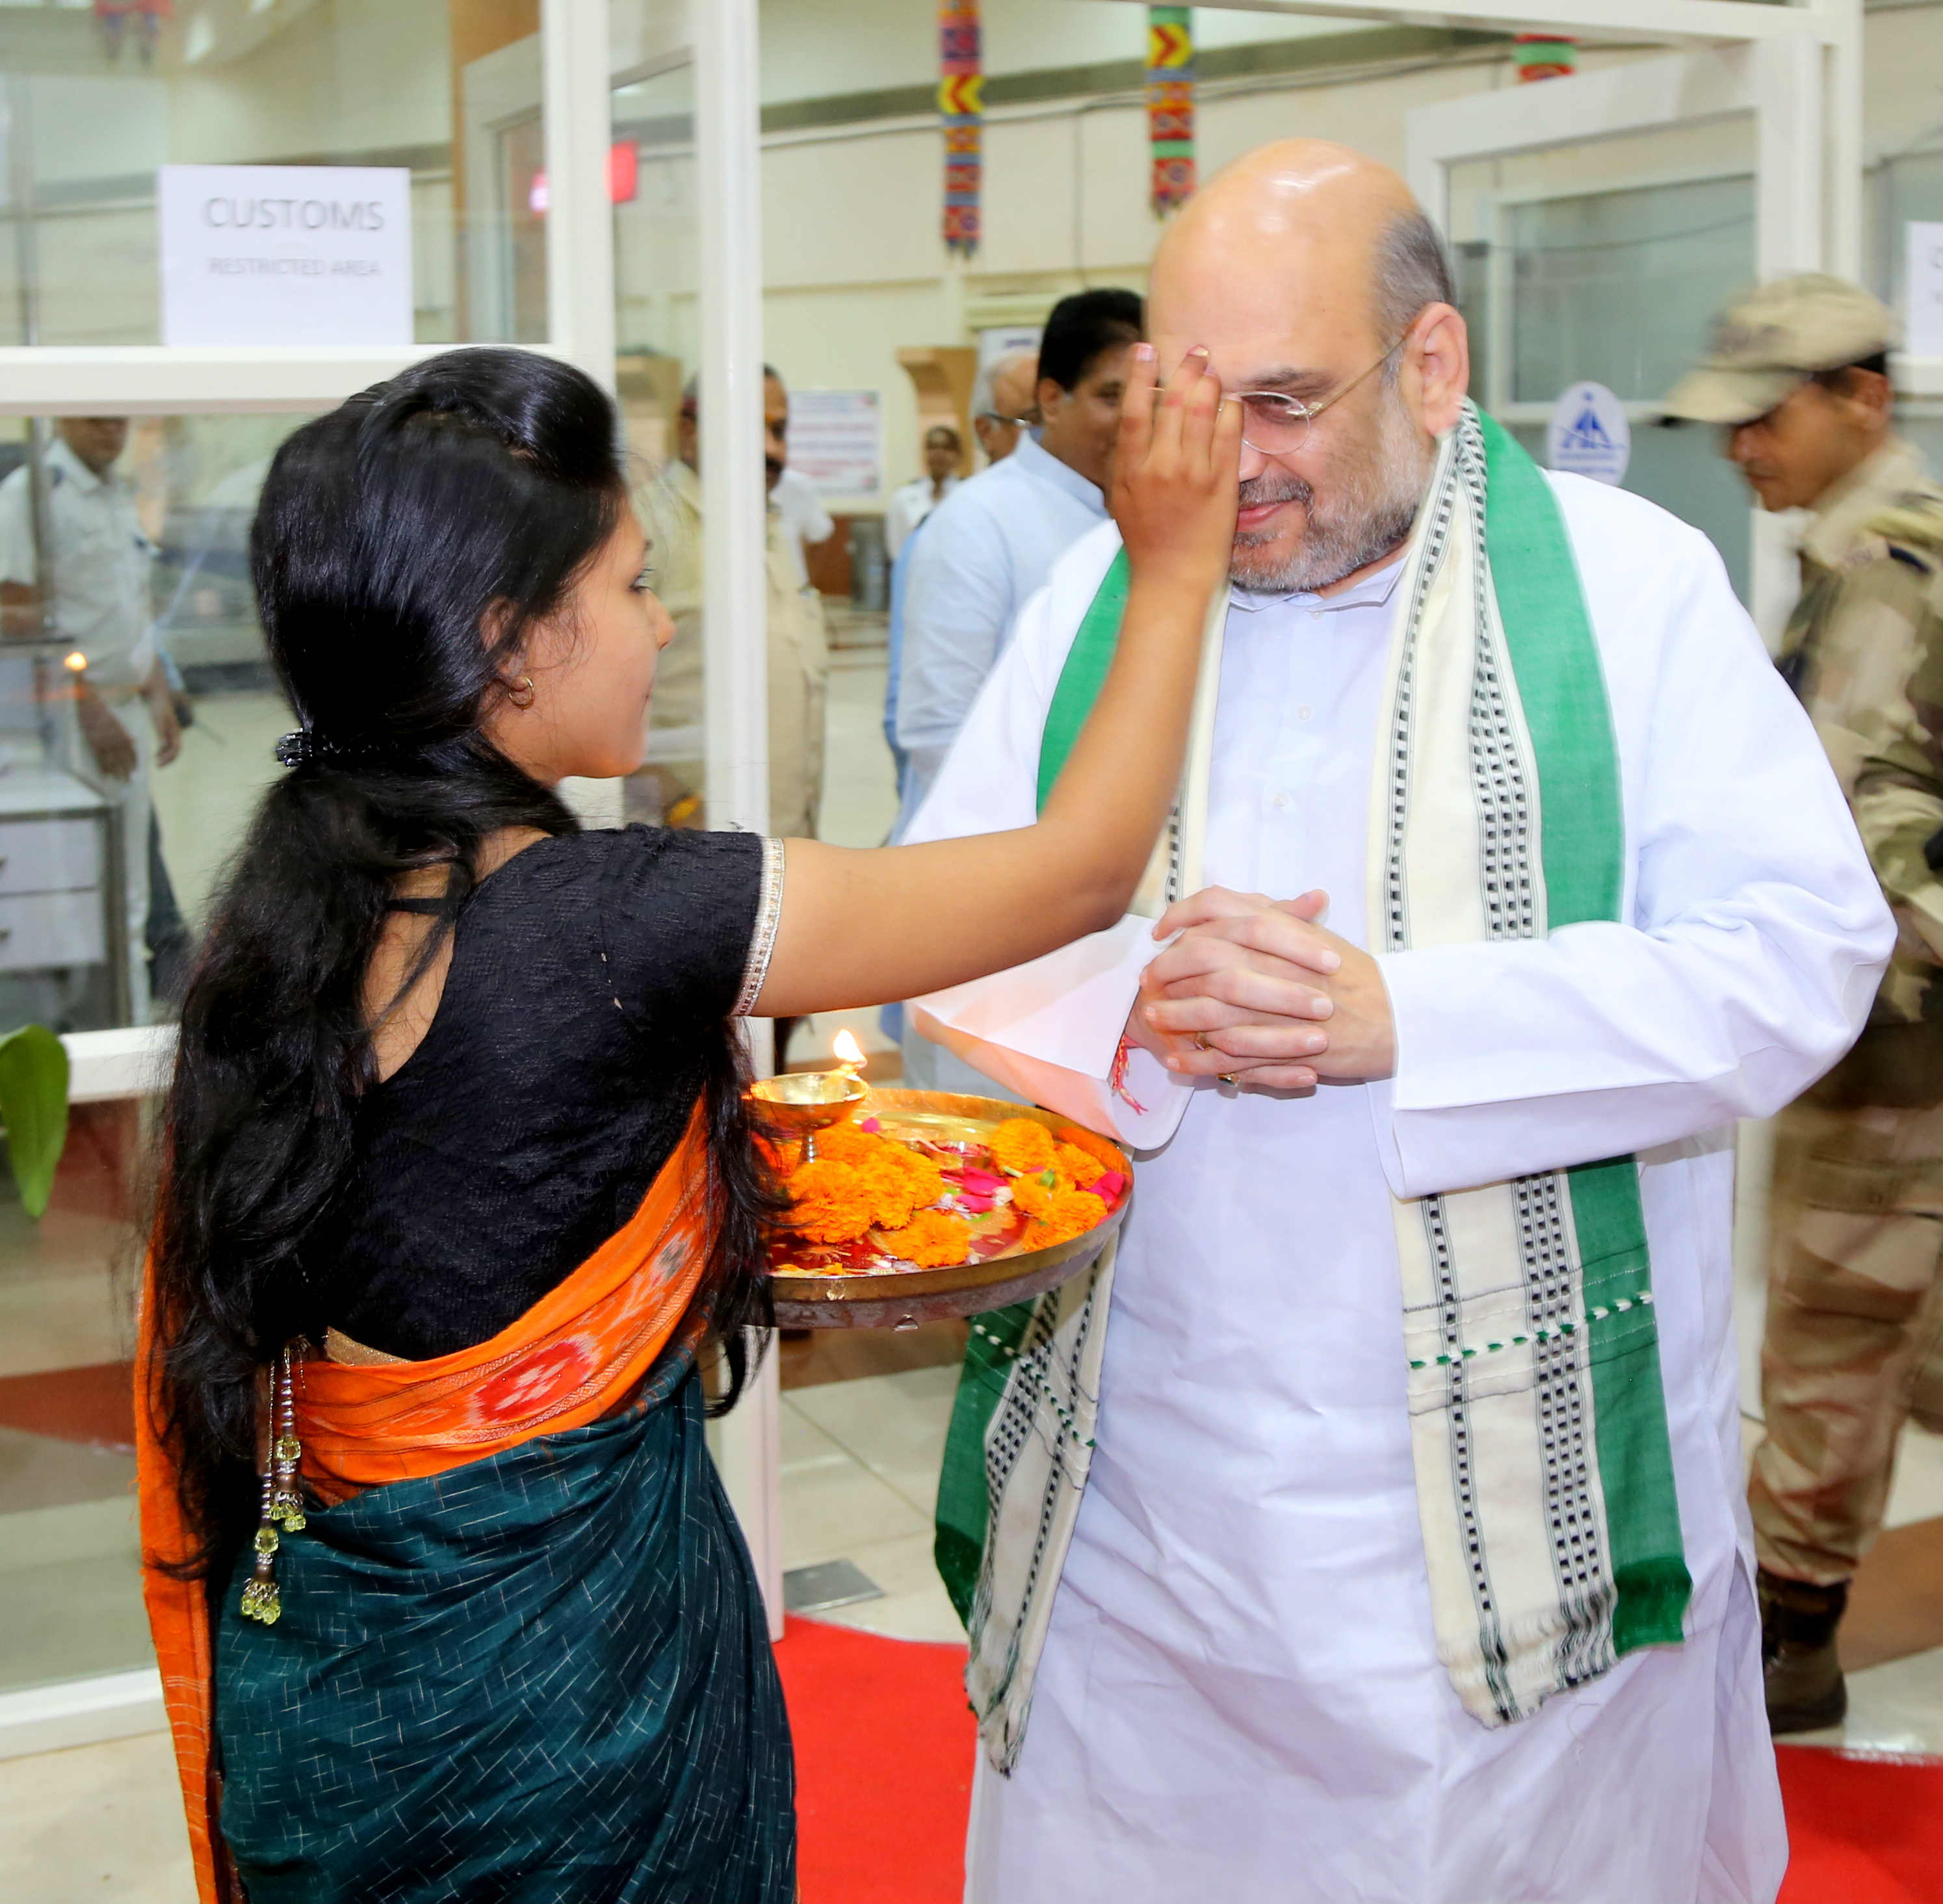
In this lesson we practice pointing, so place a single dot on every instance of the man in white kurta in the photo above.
(1239, 1696)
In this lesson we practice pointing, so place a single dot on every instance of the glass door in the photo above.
(1598, 222)
(1587, 273)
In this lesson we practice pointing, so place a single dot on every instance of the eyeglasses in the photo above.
(1277, 425)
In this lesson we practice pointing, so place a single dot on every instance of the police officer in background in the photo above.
(1797, 381)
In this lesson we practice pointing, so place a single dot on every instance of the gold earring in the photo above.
(522, 695)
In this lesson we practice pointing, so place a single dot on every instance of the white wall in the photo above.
(851, 217)
(813, 47)
(851, 252)
(354, 76)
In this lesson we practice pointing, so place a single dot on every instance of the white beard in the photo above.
(1370, 510)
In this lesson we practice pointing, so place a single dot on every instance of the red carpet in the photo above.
(94, 1404)
(883, 1752)
(1864, 1828)
(884, 1742)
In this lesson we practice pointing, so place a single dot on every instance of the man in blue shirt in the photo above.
(989, 546)
(986, 550)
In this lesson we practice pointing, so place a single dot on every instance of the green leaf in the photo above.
(33, 1106)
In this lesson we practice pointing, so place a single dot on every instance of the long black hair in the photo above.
(404, 547)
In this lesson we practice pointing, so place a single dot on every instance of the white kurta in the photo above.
(1240, 1698)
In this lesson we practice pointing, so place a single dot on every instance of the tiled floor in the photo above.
(98, 1824)
(102, 1823)
(860, 1476)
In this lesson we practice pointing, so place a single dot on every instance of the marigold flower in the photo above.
(898, 1182)
(1021, 1145)
(1095, 1145)
(832, 1202)
(1034, 1195)
(933, 1239)
(845, 1143)
(1082, 1166)
(1068, 1213)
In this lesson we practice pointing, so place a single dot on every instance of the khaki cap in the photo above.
(1771, 342)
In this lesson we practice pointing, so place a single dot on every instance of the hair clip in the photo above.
(298, 749)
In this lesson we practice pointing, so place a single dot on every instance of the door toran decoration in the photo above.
(1170, 106)
(961, 87)
(1544, 56)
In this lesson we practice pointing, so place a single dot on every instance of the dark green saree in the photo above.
(544, 1676)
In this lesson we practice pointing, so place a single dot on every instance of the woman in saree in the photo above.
(458, 1187)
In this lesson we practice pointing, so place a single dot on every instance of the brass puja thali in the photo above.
(911, 1206)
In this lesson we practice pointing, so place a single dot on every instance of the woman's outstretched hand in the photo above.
(907, 919)
(1177, 472)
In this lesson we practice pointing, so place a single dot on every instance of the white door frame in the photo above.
(728, 124)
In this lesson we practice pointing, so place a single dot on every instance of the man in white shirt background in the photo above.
(1004, 406)
(102, 564)
(1004, 402)
(990, 546)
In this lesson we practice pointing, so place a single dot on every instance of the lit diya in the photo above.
(798, 1104)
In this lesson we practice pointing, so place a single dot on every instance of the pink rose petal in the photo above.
(870, 1124)
(1109, 1186)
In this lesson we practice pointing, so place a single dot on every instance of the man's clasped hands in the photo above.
(1259, 991)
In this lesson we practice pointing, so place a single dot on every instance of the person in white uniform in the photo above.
(913, 502)
(102, 563)
(1272, 1670)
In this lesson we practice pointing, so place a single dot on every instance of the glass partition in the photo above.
(149, 632)
(70, 1595)
(657, 370)
(137, 712)
(1564, 276)
(446, 92)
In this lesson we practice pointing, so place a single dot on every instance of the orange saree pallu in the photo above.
(516, 1650)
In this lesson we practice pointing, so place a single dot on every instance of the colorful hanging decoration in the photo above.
(961, 104)
(1544, 56)
(1170, 106)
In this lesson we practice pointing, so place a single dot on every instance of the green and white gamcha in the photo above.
(1545, 1485)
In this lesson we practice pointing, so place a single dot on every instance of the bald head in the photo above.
(1015, 379)
(1004, 393)
(1293, 236)
(1312, 277)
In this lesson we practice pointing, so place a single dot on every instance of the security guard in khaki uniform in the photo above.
(1797, 381)
(670, 788)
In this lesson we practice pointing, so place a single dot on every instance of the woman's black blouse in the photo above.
(592, 983)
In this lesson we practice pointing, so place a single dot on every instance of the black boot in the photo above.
(1803, 1675)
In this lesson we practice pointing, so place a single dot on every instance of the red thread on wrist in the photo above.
(1117, 1077)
